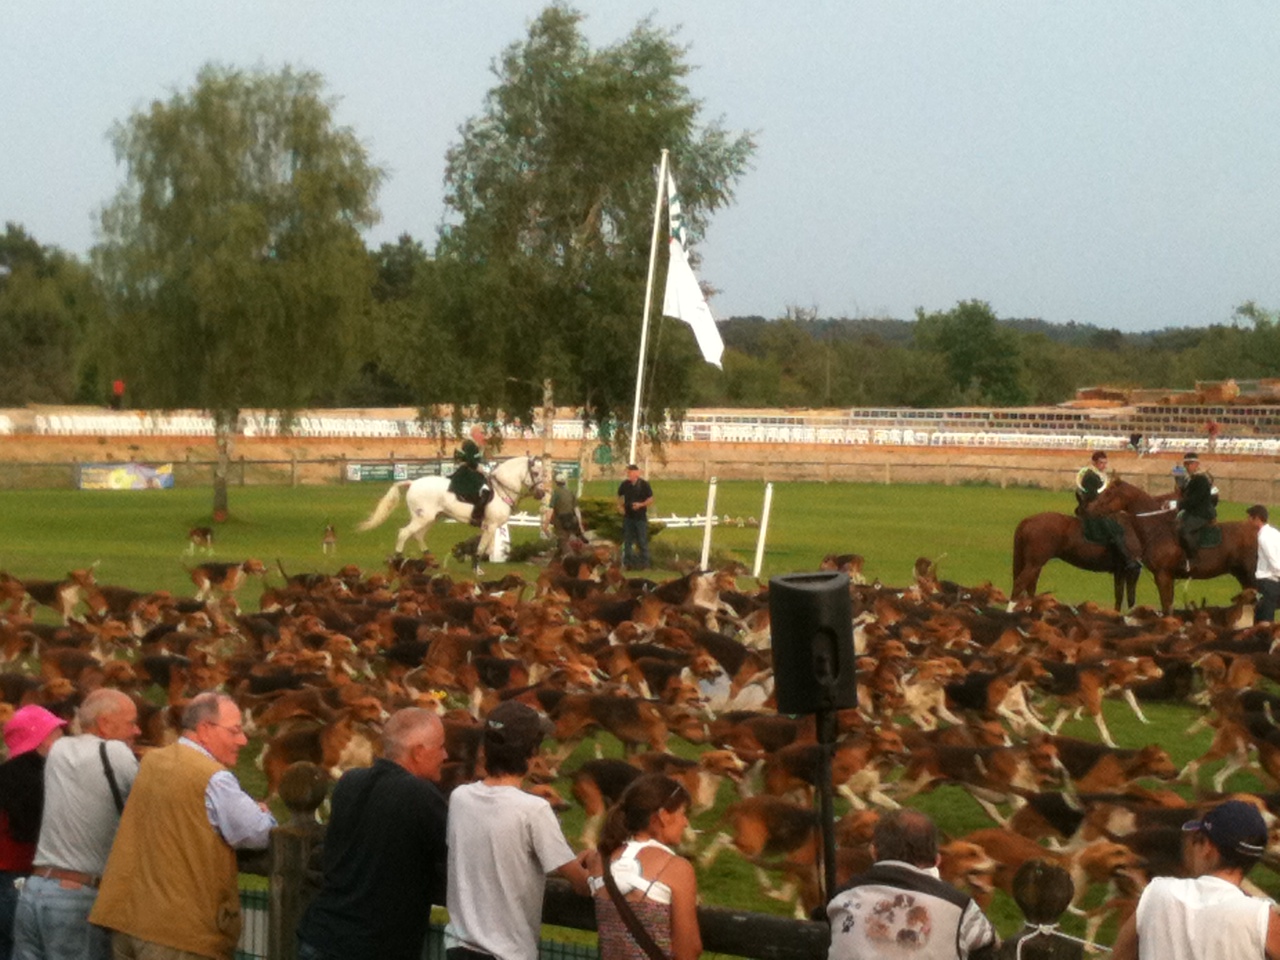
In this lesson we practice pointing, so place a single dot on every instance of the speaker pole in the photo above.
(826, 722)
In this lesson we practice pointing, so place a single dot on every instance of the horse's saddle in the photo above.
(1101, 529)
(1210, 536)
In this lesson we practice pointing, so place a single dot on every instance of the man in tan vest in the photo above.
(169, 890)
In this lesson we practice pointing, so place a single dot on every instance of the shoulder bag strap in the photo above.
(111, 777)
(634, 927)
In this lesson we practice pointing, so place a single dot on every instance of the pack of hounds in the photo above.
(957, 689)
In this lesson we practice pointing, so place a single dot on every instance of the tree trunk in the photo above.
(221, 465)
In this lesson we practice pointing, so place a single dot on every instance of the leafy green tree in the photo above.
(541, 267)
(232, 255)
(48, 307)
(982, 357)
(400, 270)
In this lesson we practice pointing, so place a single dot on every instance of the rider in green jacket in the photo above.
(469, 483)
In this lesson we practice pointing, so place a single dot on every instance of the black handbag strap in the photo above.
(639, 934)
(111, 777)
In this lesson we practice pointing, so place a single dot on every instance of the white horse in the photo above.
(428, 497)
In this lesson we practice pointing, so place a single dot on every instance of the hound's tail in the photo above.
(385, 506)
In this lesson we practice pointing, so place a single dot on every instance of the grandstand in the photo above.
(1246, 429)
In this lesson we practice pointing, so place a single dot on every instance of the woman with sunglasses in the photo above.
(647, 907)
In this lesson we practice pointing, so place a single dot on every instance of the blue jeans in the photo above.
(635, 533)
(8, 904)
(53, 923)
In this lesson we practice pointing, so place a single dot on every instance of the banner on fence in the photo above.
(390, 472)
(125, 476)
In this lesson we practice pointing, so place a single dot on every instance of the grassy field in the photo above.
(139, 538)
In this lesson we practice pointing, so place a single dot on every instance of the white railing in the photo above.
(714, 428)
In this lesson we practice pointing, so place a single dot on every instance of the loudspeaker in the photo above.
(811, 627)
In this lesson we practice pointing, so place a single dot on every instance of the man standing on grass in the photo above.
(170, 889)
(1267, 573)
(503, 843)
(1207, 916)
(384, 853)
(634, 498)
(87, 779)
(900, 907)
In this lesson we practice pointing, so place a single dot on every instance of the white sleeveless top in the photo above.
(628, 876)
(1205, 918)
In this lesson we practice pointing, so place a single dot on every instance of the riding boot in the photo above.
(482, 502)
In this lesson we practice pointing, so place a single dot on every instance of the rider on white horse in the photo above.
(428, 497)
(468, 482)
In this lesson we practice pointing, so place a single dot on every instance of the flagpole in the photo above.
(648, 305)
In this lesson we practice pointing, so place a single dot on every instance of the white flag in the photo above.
(683, 299)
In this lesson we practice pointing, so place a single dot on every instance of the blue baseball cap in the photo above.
(1234, 827)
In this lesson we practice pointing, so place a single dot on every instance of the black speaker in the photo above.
(811, 627)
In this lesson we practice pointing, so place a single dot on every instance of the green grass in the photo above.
(139, 538)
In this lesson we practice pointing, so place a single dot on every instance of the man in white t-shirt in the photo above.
(1208, 916)
(86, 780)
(503, 843)
(1267, 573)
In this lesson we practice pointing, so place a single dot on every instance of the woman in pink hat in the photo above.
(28, 735)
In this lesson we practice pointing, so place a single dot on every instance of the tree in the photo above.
(232, 255)
(541, 266)
(981, 357)
(48, 306)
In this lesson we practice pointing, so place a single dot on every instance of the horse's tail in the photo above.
(384, 507)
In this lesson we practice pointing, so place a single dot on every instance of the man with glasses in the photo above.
(169, 891)
(384, 853)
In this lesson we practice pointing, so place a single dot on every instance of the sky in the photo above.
(1106, 163)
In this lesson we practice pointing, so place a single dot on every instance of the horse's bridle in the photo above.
(503, 490)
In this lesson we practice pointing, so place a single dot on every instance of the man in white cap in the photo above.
(87, 779)
(1207, 916)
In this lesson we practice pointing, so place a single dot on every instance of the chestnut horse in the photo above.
(1154, 519)
(1059, 536)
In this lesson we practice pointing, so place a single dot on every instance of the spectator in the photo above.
(29, 736)
(384, 852)
(503, 843)
(1267, 573)
(87, 779)
(1206, 916)
(634, 499)
(170, 890)
(901, 901)
(566, 518)
(654, 885)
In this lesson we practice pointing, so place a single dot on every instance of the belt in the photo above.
(67, 876)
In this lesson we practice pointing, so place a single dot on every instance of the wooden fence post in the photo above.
(302, 788)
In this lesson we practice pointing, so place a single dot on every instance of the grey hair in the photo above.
(202, 707)
(406, 729)
(101, 701)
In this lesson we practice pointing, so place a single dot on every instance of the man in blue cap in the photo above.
(1207, 916)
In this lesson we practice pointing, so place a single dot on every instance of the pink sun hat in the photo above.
(27, 729)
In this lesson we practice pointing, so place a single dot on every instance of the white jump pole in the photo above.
(764, 529)
(706, 526)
